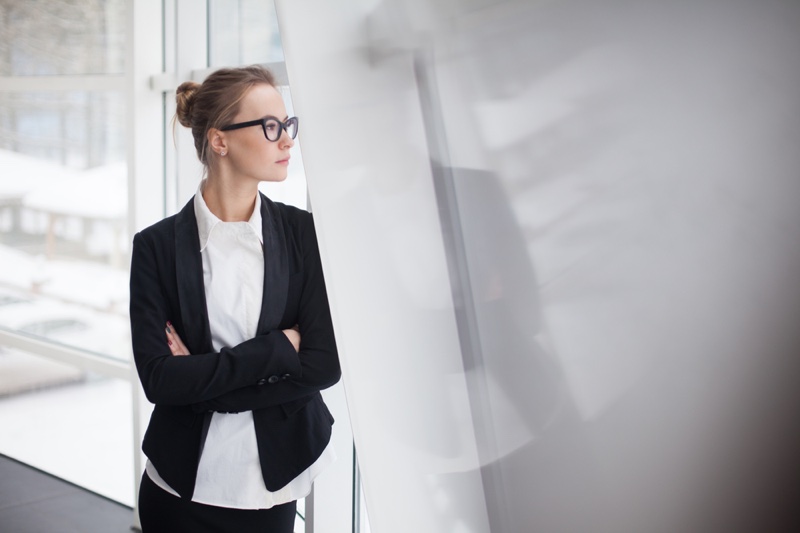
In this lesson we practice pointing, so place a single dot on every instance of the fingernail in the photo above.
(169, 342)
(169, 329)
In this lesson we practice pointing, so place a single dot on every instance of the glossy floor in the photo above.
(32, 501)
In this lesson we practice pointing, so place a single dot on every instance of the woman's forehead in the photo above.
(261, 100)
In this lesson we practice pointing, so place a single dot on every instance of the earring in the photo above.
(222, 153)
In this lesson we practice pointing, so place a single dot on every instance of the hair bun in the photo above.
(184, 98)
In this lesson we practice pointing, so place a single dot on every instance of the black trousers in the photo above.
(161, 512)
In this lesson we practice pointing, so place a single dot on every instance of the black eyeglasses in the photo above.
(273, 128)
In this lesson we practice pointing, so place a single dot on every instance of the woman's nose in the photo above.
(286, 140)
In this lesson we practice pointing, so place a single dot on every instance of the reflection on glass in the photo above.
(58, 37)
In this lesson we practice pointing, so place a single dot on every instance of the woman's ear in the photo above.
(217, 141)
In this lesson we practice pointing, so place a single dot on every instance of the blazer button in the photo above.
(261, 381)
(273, 379)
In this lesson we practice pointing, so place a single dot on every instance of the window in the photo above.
(64, 403)
(243, 32)
(86, 157)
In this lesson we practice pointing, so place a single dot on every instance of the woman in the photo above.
(231, 329)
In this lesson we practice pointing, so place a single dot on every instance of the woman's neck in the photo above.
(230, 201)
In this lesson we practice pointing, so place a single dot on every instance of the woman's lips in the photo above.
(283, 161)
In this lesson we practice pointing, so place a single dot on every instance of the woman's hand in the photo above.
(293, 334)
(174, 341)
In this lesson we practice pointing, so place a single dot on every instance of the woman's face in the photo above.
(250, 154)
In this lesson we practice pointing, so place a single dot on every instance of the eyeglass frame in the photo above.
(283, 126)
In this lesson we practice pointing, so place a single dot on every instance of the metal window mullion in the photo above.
(85, 360)
(145, 155)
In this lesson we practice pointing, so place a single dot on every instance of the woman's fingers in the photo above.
(174, 341)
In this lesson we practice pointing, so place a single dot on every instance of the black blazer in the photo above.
(264, 374)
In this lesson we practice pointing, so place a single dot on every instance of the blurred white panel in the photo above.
(368, 169)
(561, 240)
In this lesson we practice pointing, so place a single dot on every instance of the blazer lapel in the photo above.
(276, 267)
(189, 273)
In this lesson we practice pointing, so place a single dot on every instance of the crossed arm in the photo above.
(177, 347)
(304, 357)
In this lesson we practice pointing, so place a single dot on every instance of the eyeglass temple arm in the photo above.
(242, 125)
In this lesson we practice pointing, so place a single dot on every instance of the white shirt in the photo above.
(229, 473)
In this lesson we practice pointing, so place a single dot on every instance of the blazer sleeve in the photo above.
(171, 380)
(318, 356)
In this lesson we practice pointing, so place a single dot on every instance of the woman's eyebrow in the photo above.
(273, 116)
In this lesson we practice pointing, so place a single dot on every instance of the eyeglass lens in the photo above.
(273, 128)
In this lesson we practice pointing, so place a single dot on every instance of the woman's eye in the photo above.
(271, 126)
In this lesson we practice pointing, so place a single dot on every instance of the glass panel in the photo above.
(243, 32)
(299, 518)
(77, 129)
(363, 516)
(63, 207)
(72, 424)
(63, 243)
(59, 37)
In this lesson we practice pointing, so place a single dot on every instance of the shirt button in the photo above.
(261, 381)
(286, 376)
(273, 379)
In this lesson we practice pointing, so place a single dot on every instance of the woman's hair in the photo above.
(214, 103)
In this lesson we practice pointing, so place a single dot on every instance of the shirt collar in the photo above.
(206, 220)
